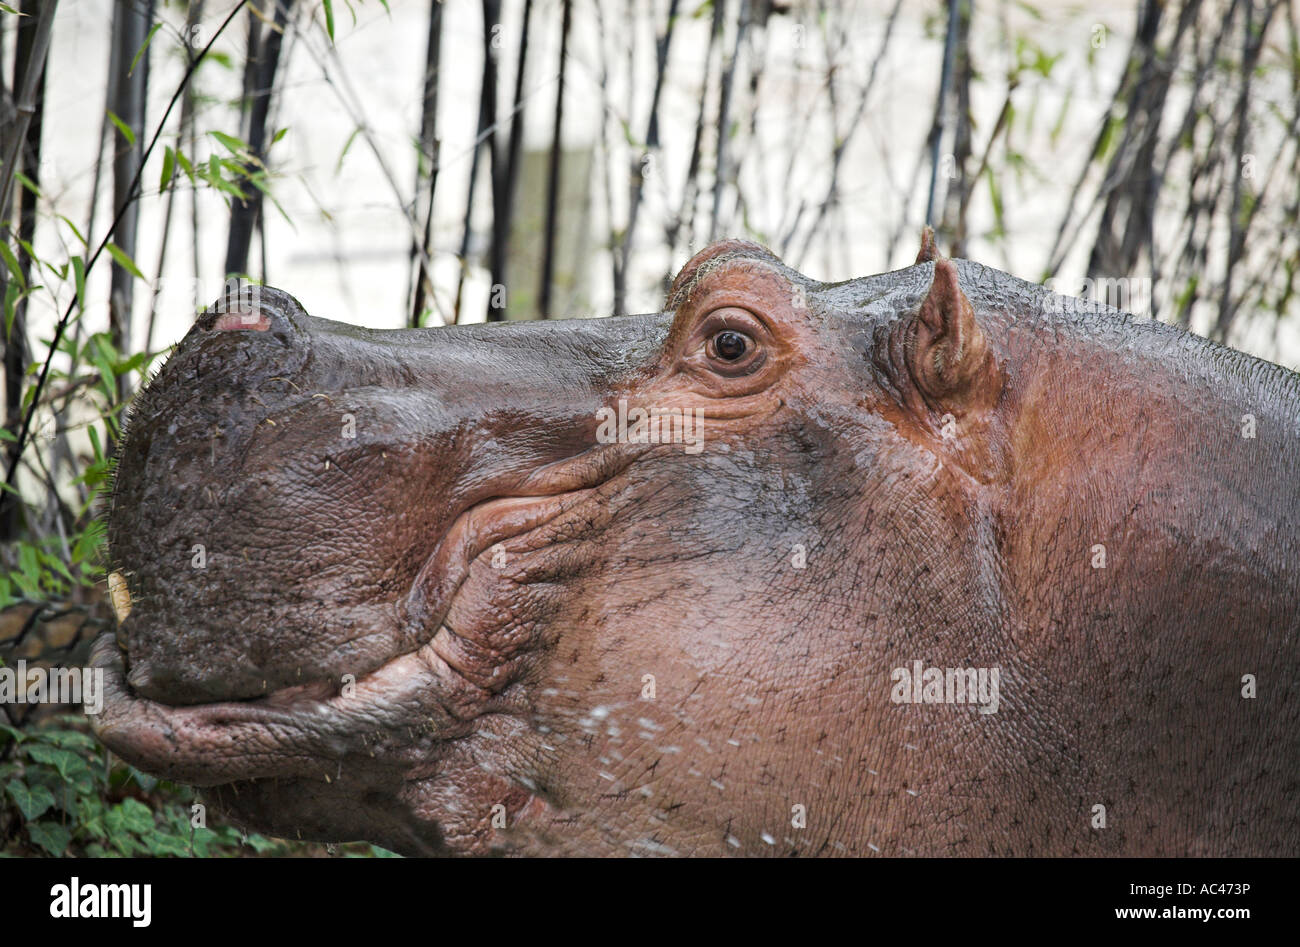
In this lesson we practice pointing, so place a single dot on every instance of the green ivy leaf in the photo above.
(260, 843)
(136, 816)
(165, 846)
(67, 738)
(33, 801)
(50, 836)
(90, 816)
(125, 844)
(68, 764)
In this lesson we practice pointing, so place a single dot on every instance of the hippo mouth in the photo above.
(446, 683)
(391, 742)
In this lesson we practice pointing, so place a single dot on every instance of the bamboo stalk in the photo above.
(192, 17)
(486, 136)
(685, 219)
(26, 103)
(429, 149)
(131, 29)
(23, 147)
(723, 169)
(506, 181)
(245, 215)
(1252, 44)
(553, 184)
(638, 177)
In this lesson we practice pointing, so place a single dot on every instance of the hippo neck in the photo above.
(1153, 466)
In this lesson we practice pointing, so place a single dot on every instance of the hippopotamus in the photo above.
(931, 562)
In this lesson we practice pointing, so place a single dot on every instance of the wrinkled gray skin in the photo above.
(472, 628)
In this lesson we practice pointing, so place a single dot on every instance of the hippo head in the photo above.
(629, 585)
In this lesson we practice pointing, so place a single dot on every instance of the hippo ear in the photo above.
(947, 355)
(713, 255)
(929, 248)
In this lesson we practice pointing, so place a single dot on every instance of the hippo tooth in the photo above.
(119, 595)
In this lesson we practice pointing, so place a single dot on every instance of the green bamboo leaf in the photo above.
(143, 46)
(79, 274)
(168, 169)
(27, 183)
(27, 562)
(77, 233)
(235, 145)
(11, 262)
(346, 146)
(124, 260)
(123, 128)
(56, 564)
(329, 18)
(12, 295)
(135, 362)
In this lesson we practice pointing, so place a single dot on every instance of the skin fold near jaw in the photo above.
(436, 588)
(200, 744)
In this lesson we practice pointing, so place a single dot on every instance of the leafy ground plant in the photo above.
(63, 795)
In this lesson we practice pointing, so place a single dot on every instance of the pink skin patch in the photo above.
(243, 319)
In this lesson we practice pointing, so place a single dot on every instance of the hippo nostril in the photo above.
(242, 318)
(256, 308)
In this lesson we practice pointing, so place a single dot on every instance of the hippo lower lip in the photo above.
(186, 743)
(307, 733)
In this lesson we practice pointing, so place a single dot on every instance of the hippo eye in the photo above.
(730, 345)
